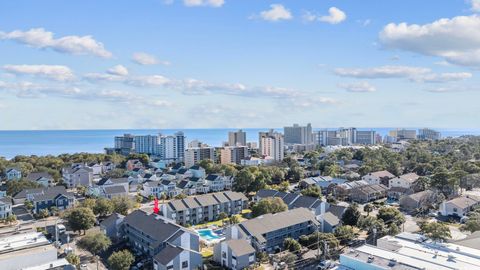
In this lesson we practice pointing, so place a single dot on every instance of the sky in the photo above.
(239, 63)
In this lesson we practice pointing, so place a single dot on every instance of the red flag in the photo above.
(155, 206)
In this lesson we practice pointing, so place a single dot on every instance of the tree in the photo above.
(13, 187)
(351, 215)
(291, 245)
(472, 224)
(43, 213)
(103, 207)
(180, 196)
(312, 191)
(121, 260)
(11, 219)
(163, 197)
(222, 216)
(312, 239)
(391, 214)
(435, 230)
(80, 218)
(122, 205)
(234, 219)
(95, 243)
(73, 259)
(284, 186)
(89, 203)
(268, 205)
(368, 208)
(28, 204)
(243, 180)
(344, 234)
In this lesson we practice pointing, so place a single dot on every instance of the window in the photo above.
(185, 264)
(224, 254)
(454, 209)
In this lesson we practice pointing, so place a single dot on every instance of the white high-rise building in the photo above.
(172, 147)
(146, 144)
(298, 134)
(237, 138)
(271, 144)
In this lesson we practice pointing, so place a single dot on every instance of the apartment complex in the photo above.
(170, 245)
(204, 208)
(267, 232)
(233, 154)
(237, 138)
(196, 154)
(403, 134)
(171, 147)
(298, 134)
(428, 134)
(271, 144)
(345, 136)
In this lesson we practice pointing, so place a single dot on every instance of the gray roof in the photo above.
(220, 197)
(471, 241)
(337, 210)
(45, 192)
(264, 193)
(272, 222)
(152, 225)
(304, 201)
(167, 254)
(37, 175)
(206, 200)
(6, 200)
(331, 219)
(289, 198)
(234, 196)
(191, 203)
(240, 247)
(111, 220)
(114, 189)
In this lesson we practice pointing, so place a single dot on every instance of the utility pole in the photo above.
(375, 236)
(318, 241)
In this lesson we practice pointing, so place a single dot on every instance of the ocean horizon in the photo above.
(56, 142)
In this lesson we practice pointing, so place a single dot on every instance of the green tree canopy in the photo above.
(121, 260)
(268, 205)
(80, 218)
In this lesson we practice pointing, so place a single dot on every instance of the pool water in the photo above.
(209, 235)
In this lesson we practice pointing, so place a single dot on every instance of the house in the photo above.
(234, 254)
(460, 206)
(170, 245)
(396, 193)
(46, 198)
(404, 181)
(111, 192)
(13, 174)
(77, 175)
(293, 200)
(368, 193)
(97, 168)
(332, 218)
(134, 164)
(218, 182)
(197, 171)
(5, 207)
(325, 183)
(204, 208)
(379, 177)
(417, 200)
(111, 226)
(343, 191)
(266, 233)
(108, 166)
(42, 178)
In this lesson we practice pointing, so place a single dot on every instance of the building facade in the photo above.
(237, 138)
(271, 144)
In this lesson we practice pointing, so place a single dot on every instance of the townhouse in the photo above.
(418, 200)
(77, 175)
(460, 206)
(204, 208)
(234, 254)
(379, 177)
(5, 207)
(266, 233)
(170, 245)
(46, 198)
(42, 178)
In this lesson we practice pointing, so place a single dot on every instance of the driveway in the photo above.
(23, 215)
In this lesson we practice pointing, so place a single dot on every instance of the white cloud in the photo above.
(381, 72)
(475, 5)
(142, 58)
(456, 40)
(359, 87)
(39, 38)
(200, 3)
(442, 77)
(118, 70)
(93, 77)
(55, 72)
(334, 16)
(277, 12)
(148, 81)
(415, 74)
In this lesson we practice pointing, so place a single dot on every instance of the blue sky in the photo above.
(239, 63)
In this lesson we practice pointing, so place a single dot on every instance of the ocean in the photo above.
(55, 142)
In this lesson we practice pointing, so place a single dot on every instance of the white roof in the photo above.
(21, 241)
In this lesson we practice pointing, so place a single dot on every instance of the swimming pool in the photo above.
(209, 235)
